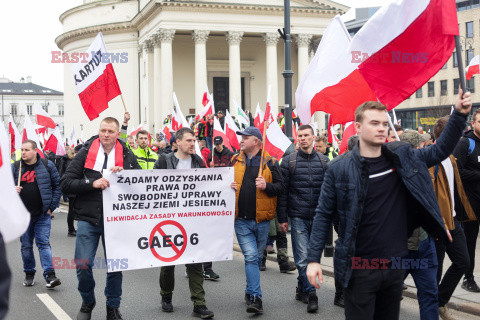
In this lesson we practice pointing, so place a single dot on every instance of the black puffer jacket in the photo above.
(169, 161)
(303, 187)
(78, 181)
(468, 162)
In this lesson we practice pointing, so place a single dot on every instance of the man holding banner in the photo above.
(83, 178)
(257, 184)
(183, 158)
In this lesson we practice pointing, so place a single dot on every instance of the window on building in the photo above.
(455, 60)
(6, 90)
(469, 29)
(419, 93)
(28, 91)
(468, 56)
(60, 110)
(431, 89)
(456, 84)
(443, 87)
(45, 107)
(13, 110)
(29, 109)
(471, 85)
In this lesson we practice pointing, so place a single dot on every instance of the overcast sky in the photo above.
(29, 29)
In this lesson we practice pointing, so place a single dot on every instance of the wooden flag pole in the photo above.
(461, 71)
(264, 137)
(123, 101)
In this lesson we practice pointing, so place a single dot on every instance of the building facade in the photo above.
(232, 48)
(18, 99)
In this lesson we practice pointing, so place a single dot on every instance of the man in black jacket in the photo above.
(83, 178)
(303, 173)
(183, 158)
(380, 193)
(467, 153)
(221, 154)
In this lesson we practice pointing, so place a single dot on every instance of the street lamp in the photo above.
(287, 73)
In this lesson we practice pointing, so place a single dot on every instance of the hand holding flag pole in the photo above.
(19, 173)
(461, 69)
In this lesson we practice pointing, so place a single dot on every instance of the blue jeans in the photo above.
(38, 229)
(426, 279)
(252, 238)
(301, 229)
(86, 246)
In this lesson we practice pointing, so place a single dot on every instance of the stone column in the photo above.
(200, 37)
(271, 40)
(303, 42)
(148, 106)
(156, 85)
(166, 72)
(235, 73)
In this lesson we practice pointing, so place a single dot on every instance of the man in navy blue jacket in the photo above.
(40, 192)
(380, 193)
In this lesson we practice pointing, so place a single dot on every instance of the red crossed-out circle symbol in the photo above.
(178, 252)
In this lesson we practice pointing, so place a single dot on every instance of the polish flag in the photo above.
(135, 131)
(416, 41)
(206, 111)
(218, 131)
(55, 143)
(96, 81)
(15, 137)
(73, 138)
(43, 118)
(180, 118)
(30, 134)
(15, 217)
(258, 119)
(206, 97)
(276, 142)
(473, 67)
(175, 122)
(348, 131)
(230, 131)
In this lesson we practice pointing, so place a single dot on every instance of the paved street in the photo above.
(141, 298)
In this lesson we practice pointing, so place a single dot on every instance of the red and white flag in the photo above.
(136, 130)
(206, 111)
(29, 131)
(348, 131)
(473, 67)
(73, 138)
(43, 118)
(416, 41)
(14, 217)
(231, 131)
(55, 143)
(219, 132)
(276, 141)
(15, 137)
(179, 117)
(96, 81)
(167, 133)
(259, 116)
(206, 97)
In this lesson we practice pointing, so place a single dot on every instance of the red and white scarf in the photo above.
(95, 159)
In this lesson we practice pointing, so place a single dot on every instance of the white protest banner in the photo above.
(157, 218)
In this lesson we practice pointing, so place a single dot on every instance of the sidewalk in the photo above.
(461, 300)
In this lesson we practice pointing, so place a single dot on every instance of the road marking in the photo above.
(53, 307)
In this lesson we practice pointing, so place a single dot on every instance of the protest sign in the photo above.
(156, 218)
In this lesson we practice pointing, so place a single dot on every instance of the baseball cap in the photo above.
(413, 137)
(218, 140)
(220, 112)
(251, 131)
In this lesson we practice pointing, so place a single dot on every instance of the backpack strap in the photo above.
(292, 162)
(471, 146)
(323, 162)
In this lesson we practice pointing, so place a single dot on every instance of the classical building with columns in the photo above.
(231, 47)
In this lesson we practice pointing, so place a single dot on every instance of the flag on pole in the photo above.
(29, 131)
(167, 133)
(231, 131)
(136, 130)
(473, 67)
(219, 132)
(180, 118)
(206, 97)
(276, 141)
(14, 217)
(96, 81)
(16, 138)
(258, 119)
(242, 116)
(206, 111)
(55, 143)
(43, 118)
(73, 138)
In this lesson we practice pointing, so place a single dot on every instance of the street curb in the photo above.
(459, 305)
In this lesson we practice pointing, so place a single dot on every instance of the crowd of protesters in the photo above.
(411, 200)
